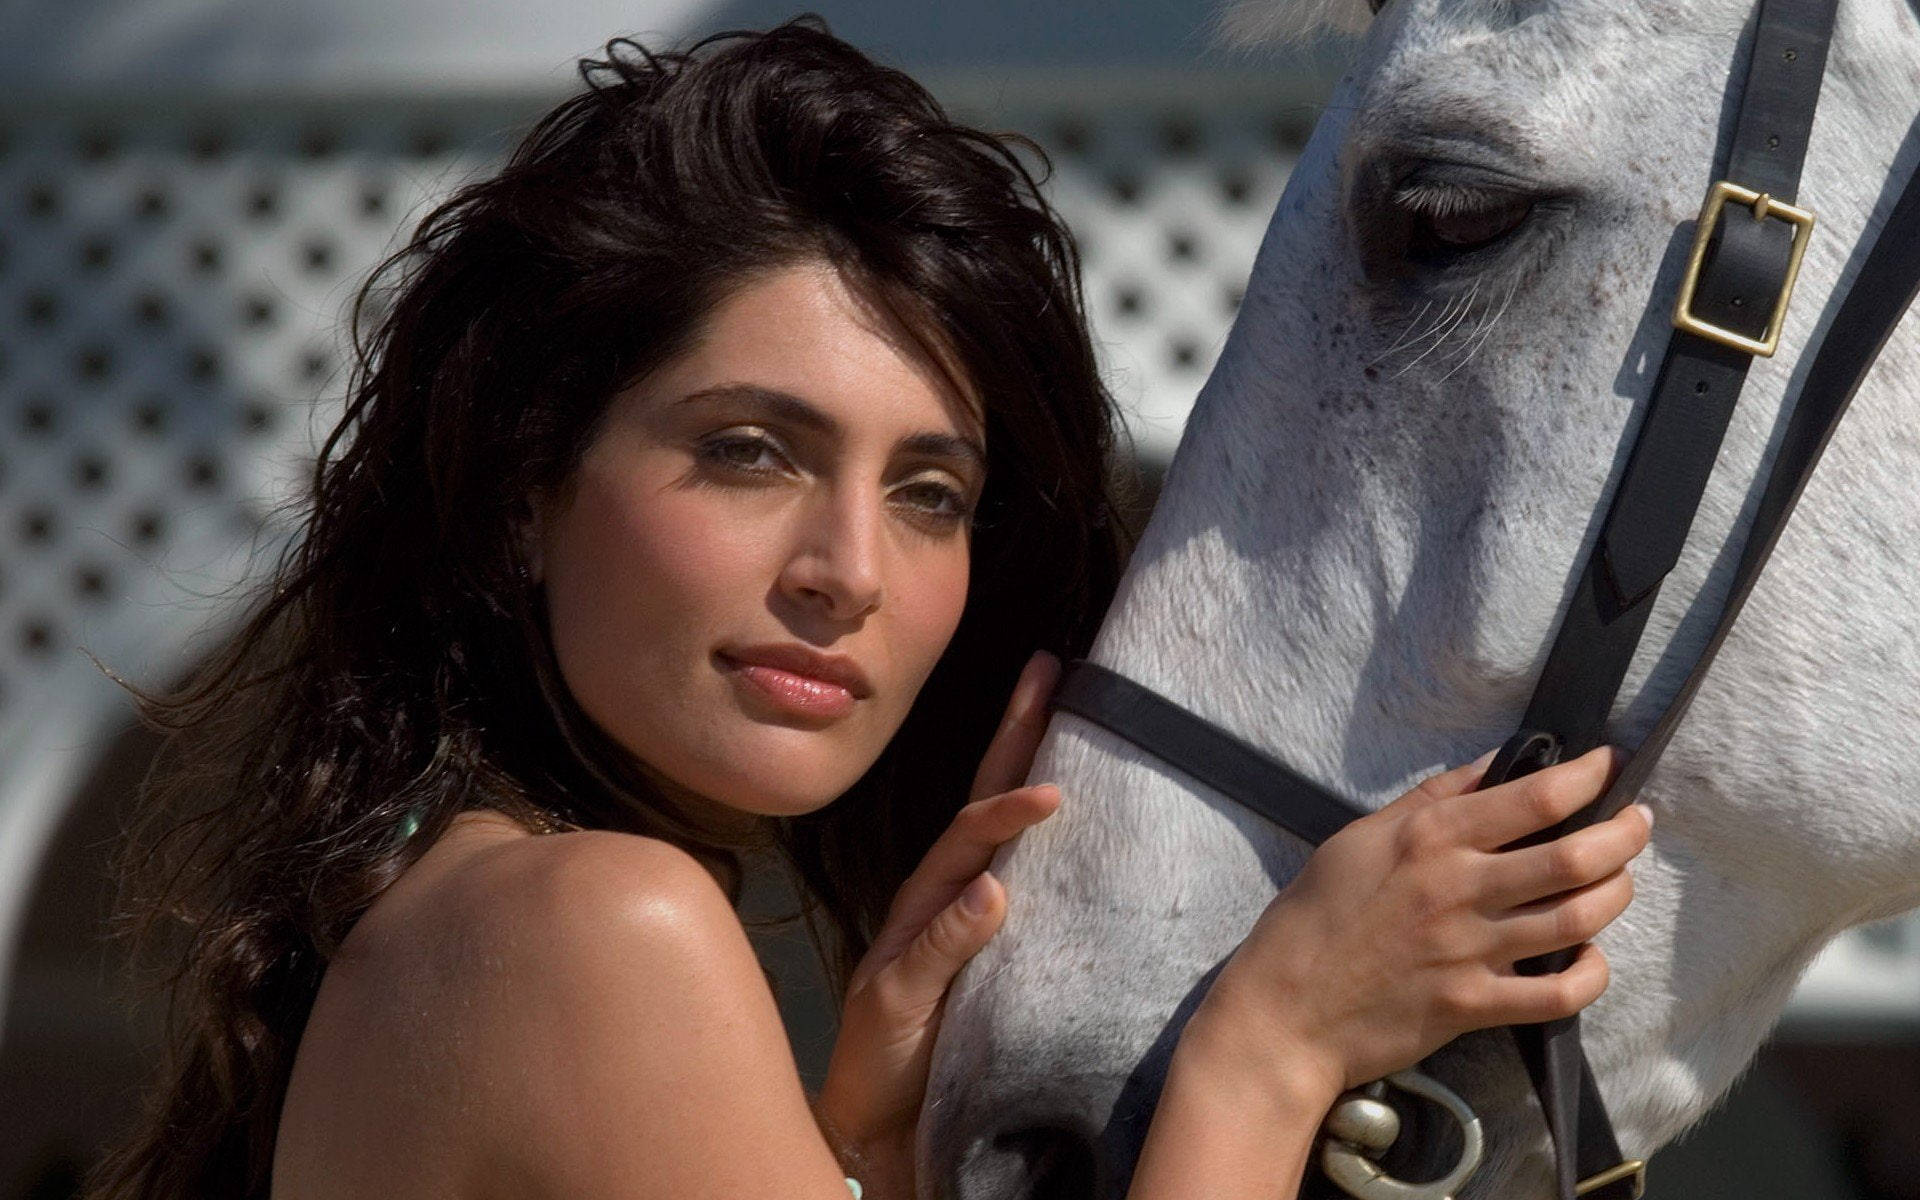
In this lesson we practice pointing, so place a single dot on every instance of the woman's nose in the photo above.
(835, 567)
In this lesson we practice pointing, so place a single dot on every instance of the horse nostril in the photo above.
(1032, 1162)
(1061, 1164)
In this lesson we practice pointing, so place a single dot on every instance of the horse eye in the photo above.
(1450, 222)
(1418, 217)
(1475, 227)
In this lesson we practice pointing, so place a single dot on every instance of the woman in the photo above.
(709, 477)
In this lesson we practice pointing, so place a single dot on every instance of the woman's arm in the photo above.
(1229, 1123)
(1398, 936)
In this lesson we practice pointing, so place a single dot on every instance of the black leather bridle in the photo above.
(1746, 254)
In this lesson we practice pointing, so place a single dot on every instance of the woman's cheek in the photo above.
(697, 549)
(632, 572)
(935, 602)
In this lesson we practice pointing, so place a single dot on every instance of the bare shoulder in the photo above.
(577, 934)
(597, 894)
(582, 1015)
(495, 914)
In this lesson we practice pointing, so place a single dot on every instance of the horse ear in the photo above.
(1244, 24)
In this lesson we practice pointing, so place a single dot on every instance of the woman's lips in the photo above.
(793, 691)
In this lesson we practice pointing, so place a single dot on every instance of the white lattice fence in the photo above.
(172, 290)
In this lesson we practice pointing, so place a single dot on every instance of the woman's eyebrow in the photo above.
(784, 405)
(946, 445)
(790, 408)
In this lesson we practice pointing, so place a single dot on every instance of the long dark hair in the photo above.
(397, 661)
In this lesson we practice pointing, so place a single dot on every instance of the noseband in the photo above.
(1731, 305)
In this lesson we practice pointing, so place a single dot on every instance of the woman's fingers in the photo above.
(1563, 921)
(1515, 877)
(1506, 812)
(960, 853)
(1447, 784)
(1010, 755)
(999, 810)
(1531, 999)
(965, 848)
(914, 982)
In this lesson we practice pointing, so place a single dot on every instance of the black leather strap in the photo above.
(1653, 507)
(1204, 751)
(1693, 398)
(1883, 290)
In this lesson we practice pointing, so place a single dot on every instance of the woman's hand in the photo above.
(941, 917)
(1401, 932)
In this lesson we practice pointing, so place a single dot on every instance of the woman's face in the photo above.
(765, 549)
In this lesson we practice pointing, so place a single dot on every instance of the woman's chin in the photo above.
(791, 793)
(733, 760)
(776, 785)
(784, 772)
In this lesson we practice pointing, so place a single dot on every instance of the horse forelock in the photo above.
(1248, 23)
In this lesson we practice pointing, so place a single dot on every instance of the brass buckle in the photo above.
(1633, 1169)
(1763, 206)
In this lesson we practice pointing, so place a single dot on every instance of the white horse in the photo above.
(1379, 507)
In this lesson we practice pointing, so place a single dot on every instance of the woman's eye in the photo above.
(936, 501)
(751, 453)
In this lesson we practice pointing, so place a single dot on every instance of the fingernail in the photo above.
(1049, 665)
(1646, 812)
(974, 900)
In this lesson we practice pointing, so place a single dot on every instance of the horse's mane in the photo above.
(1264, 22)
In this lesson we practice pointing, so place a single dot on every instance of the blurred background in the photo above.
(190, 190)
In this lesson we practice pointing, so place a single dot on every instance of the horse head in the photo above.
(1381, 503)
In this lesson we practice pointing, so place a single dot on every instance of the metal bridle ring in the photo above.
(1357, 1131)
